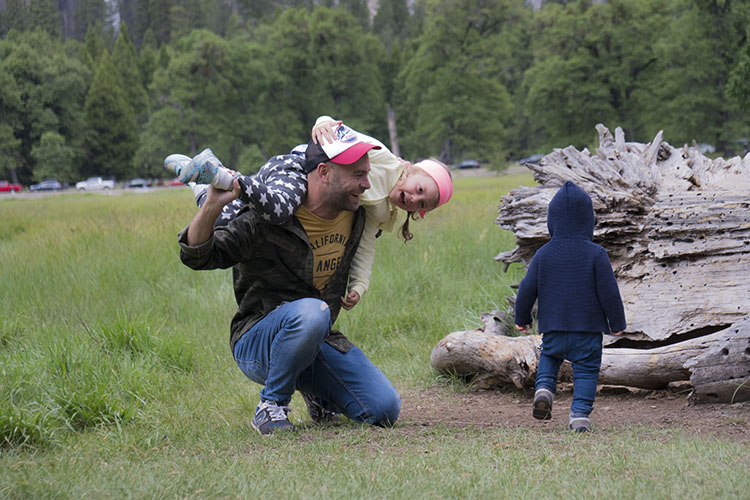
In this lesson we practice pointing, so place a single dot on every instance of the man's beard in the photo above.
(340, 198)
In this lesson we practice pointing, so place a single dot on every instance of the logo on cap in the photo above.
(345, 134)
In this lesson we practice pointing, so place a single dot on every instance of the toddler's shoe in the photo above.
(542, 407)
(580, 424)
(204, 168)
(176, 163)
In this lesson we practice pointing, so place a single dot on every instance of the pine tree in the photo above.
(451, 100)
(53, 158)
(42, 89)
(392, 21)
(95, 45)
(131, 80)
(89, 13)
(10, 107)
(15, 16)
(358, 9)
(151, 16)
(43, 14)
(738, 86)
(111, 140)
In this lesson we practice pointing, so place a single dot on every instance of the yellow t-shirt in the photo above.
(328, 239)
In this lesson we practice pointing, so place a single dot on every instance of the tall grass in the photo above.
(116, 377)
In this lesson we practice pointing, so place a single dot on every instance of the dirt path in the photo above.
(614, 407)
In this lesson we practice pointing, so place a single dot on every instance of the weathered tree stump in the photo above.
(676, 226)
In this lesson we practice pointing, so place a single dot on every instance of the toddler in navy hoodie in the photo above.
(572, 279)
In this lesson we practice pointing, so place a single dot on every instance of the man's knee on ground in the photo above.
(386, 410)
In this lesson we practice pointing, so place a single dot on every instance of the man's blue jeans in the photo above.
(584, 351)
(286, 351)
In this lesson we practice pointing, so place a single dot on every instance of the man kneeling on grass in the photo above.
(289, 281)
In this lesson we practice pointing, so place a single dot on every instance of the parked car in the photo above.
(7, 187)
(531, 159)
(46, 185)
(466, 164)
(95, 183)
(174, 182)
(137, 183)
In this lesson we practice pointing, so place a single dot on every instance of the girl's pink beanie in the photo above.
(442, 178)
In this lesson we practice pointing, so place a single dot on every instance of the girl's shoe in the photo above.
(542, 407)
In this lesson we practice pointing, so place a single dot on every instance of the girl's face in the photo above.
(416, 191)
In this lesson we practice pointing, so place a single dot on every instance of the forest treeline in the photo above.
(118, 85)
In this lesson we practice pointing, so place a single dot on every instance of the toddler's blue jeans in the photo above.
(286, 351)
(584, 351)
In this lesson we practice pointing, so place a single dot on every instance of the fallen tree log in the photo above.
(717, 365)
(675, 224)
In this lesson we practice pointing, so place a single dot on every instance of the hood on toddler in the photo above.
(571, 213)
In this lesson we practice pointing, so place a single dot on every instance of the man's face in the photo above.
(347, 183)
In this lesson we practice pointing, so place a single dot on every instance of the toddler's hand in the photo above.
(523, 328)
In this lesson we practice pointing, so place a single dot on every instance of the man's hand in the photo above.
(350, 300)
(523, 329)
(202, 226)
(217, 198)
(325, 130)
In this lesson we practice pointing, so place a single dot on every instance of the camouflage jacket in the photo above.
(272, 264)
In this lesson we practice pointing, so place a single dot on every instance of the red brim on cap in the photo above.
(353, 154)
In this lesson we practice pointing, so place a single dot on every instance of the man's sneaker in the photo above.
(580, 424)
(270, 417)
(542, 407)
(317, 412)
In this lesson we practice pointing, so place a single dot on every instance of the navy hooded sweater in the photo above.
(570, 275)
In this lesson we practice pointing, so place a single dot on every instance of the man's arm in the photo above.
(202, 226)
(201, 246)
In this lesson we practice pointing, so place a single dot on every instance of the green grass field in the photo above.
(116, 379)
